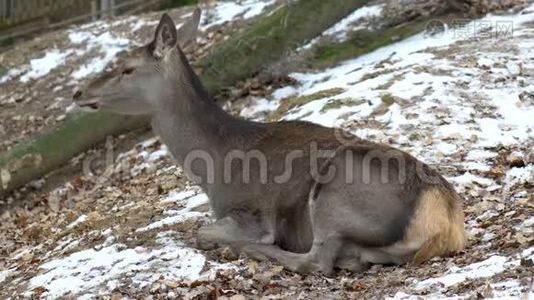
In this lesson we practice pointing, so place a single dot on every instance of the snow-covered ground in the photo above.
(99, 269)
(225, 11)
(96, 36)
(359, 19)
(462, 103)
(453, 99)
(39, 76)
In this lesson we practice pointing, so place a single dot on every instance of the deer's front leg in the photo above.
(228, 230)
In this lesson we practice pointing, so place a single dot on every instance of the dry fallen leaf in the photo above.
(53, 202)
(39, 290)
(496, 172)
(116, 296)
(252, 267)
(277, 270)
(27, 257)
(171, 283)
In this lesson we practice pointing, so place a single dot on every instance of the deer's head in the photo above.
(143, 75)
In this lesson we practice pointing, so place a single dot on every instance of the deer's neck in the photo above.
(193, 126)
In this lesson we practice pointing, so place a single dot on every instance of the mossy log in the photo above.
(273, 38)
(264, 42)
(361, 42)
(45, 153)
(365, 41)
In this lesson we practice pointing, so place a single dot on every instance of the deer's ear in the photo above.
(187, 34)
(165, 38)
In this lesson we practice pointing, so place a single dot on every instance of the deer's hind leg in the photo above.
(234, 228)
(320, 258)
(322, 255)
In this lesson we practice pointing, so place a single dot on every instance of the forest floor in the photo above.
(40, 76)
(458, 99)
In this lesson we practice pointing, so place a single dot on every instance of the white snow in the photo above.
(40, 67)
(486, 268)
(487, 214)
(190, 202)
(354, 21)
(80, 219)
(437, 106)
(196, 201)
(260, 105)
(12, 73)
(4, 274)
(467, 179)
(180, 195)
(339, 30)
(434, 105)
(529, 222)
(77, 37)
(98, 37)
(90, 270)
(66, 245)
(21, 253)
(446, 148)
(425, 102)
(477, 155)
(225, 11)
(158, 154)
(107, 44)
(142, 23)
(510, 289)
(493, 265)
(477, 166)
(517, 175)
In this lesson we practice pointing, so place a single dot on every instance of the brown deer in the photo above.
(310, 197)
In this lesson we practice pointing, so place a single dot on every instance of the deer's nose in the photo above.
(77, 95)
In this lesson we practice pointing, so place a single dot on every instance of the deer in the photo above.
(311, 198)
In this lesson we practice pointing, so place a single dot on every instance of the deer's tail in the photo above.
(438, 223)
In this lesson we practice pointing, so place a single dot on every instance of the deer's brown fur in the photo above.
(311, 197)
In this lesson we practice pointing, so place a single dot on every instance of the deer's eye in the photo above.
(127, 71)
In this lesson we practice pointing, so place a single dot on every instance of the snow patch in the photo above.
(340, 29)
(511, 289)
(89, 270)
(493, 265)
(225, 11)
(516, 175)
(468, 178)
(182, 215)
(40, 67)
(80, 220)
(529, 222)
(259, 106)
(11, 74)
(106, 44)
(4, 275)
(180, 195)
(486, 268)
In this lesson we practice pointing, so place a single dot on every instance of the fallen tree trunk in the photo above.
(364, 41)
(45, 153)
(241, 56)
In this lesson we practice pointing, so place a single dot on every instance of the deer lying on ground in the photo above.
(296, 192)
